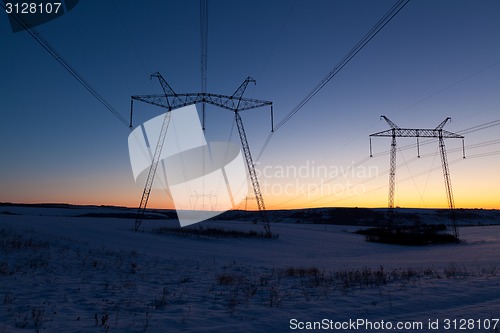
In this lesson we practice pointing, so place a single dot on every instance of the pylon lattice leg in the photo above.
(392, 173)
(253, 175)
(447, 183)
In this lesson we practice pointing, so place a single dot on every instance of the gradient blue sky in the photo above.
(435, 59)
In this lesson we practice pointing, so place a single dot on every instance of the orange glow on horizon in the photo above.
(374, 196)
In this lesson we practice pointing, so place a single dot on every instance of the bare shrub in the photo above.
(212, 232)
(12, 241)
(455, 270)
(161, 301)
(228, 279)
(274, 296)
(37, 316)
(294, 271)
(4, 268)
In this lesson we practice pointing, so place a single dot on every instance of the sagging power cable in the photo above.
(355, 50)
(64, 63)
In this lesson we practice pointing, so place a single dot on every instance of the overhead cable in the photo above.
(53, 52)
(355, 50)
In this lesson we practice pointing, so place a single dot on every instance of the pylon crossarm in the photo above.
(241, 89)
(414, 132)
(441, 125)
(179, 100)
(389, 122)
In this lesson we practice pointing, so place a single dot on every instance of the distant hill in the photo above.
(327, 215)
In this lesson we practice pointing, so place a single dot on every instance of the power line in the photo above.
(447, 87)
(290, 10)
(472, 129)
(129, 35)
(480, 127)
(359, 46)
(380, 187)
(401, 180)
(469, 156)
(486, 154)
(478, 155)
(347, 58)
(63, 62)
(468, 147)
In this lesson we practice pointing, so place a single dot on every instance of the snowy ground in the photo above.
(63, 273)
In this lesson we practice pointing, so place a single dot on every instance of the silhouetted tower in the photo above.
(437, 132)
(236, 103)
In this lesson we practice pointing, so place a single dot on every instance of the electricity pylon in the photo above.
(236, 103)
(246, 200)
(437, 132)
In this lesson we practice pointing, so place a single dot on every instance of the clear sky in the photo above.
(435, 59)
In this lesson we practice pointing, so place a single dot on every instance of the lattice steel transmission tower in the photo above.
(438, 132)
(236, 103)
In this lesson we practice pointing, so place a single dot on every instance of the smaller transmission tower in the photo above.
(246, 200)
(438, 132)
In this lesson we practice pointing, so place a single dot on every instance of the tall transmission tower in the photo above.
(235, 103)
(438, 132)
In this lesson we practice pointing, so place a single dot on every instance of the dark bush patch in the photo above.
(225, 279)
(212, 232)
(406, 235)
(294, 271)
(155, 216)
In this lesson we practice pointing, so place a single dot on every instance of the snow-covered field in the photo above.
(63, 273)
